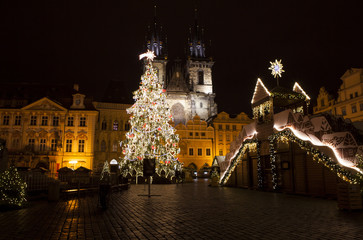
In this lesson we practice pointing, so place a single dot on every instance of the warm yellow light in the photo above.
(73, 162)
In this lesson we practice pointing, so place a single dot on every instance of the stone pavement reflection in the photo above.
(188, 211)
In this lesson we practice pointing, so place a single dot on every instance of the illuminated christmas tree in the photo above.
(151, 136)
(12, 188)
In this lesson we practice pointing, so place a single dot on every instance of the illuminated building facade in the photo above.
(47, 133)
(349, 103)
(188, 83)
(196, 143)
(111, 128)
(226, 130)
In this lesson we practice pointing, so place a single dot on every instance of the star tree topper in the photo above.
(276, 68)
(149, 55)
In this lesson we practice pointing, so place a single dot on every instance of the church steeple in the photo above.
(196, 43)
(156, 40)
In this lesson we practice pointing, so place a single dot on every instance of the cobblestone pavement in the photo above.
(188, 211)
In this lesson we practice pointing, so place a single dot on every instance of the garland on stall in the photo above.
(273, 162)
(259, 167)
(286, 135)
(288, 95)
(251, 144)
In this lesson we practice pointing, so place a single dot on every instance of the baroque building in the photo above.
(196, 143)
(349, 103)
(49, 133)
(111, 128)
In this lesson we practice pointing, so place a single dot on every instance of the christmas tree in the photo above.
(12, 188)
(151, 136)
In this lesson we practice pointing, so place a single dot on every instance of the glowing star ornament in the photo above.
(149, 55)
(276, 68)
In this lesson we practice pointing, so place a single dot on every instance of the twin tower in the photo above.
(188, 83)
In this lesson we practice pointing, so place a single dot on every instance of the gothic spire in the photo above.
(196, 39)
(155, 39)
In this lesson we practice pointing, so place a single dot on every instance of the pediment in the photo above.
(44, 104)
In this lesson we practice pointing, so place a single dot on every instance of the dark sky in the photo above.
(89, 43)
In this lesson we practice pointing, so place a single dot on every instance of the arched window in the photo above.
(114, 146)
(200, 77)
(115, 126)
(104, 125)
(103, 146)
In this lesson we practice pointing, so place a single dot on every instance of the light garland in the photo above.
(317, 155)
(247, 144)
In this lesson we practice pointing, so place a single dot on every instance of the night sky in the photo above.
(90, 44)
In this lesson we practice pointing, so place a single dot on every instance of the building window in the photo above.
(207, 152)
(6, 120)
(42, 145)
(33, 120)
(220, 137)
(220, 152)
(16, 143)
(361, 106)
(81, 145)
(356, 94)
(44, 120)
(82, 122)
(114, 146)
(191, 153)
(103, 146)
(104, 125)
(69, 145)
(234, 137)
(200, 152)
(190, 134)
(234, 127)
(115, 126)
(200, 77)
(227, 127)
(56, 121)
(203, 134)
(197, 134)
(53, 145)
(70, 122)
(127, 126)
(228, 138)
(322, 103)
(220, 127)
(351, 95)
(344, 112)
(354, 108)
(31, 143)
(201, 105)
(17, 120)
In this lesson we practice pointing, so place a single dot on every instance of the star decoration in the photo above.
(276, 68)
(149, 55)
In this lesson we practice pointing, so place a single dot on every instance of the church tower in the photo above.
(199, 68)
(156, 41)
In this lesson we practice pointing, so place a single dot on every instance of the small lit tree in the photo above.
(151, 136)
(12, 188)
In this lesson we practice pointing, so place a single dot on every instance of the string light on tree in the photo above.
(276, 69)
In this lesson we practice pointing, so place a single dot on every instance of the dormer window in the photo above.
(78, 101)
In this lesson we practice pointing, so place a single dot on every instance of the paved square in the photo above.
(188, 211)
